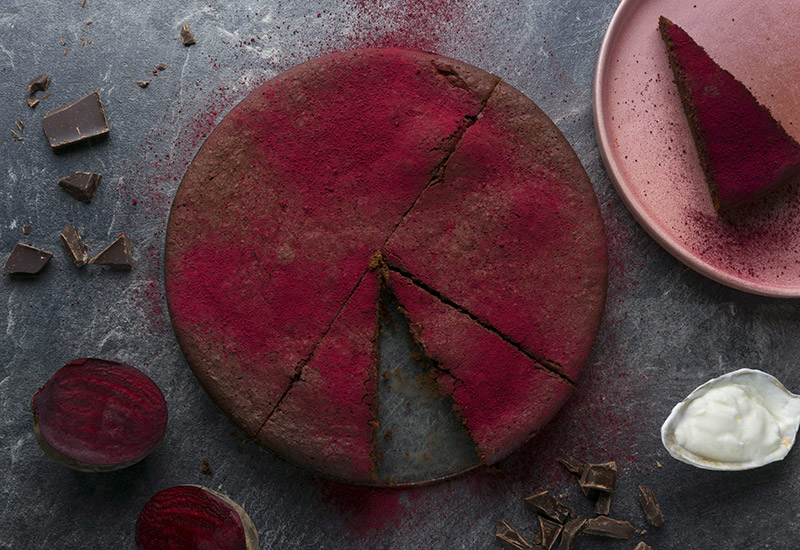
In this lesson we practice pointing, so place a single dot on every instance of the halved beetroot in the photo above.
(188, 517)
(95, 415)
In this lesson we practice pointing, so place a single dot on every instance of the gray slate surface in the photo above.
(666, 328)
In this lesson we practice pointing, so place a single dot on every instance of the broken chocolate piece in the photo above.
(545, 504)
(549, 531)
(510, 538)
(142, 83)
(75, 122)
(186, 36)
(20, 125)
(38, 84)
(603, 526)
(161, 66)
(26, 260)
(81, 185)
(74, 245)
(571, 532)
(32, 102)
(572, 464)
(117, 254)
(16, 136)
(652, 510)
(26, 229)
(600, 477)
(602, 505)
(642, 546)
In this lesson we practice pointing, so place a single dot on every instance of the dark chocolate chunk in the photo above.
(74, 245)
(81, 185)
(602, 505)
(37, 84)
(206, 469)
(549, 531)
(571, 532)
(26, 260)
(186, 36)
(26, 229)
(143, 83)
(600, 477)
(642, 546)
(572, 464)
(32, 102)
(75, 122)
(545, 504)
(652, 510)
(117, 254)
(603, 526)
(161, 66)
(510, 538)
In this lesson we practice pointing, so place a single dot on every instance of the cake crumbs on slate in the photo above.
(650, 506)
(186, 36)
(118, 254)
(510, 538)
(26, 260)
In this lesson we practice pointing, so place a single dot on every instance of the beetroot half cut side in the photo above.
(188, 517)
(95, 415)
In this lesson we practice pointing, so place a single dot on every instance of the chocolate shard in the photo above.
(161, 66)
(603, 526)
(642, 546)
(572, 464)
(81, 185)
(38, 84)
(26, 229)
(75, 122)
(143, 83)
(74, 245)
(602, 505)
(572, 530)
(26, 260)
(549, 531)
(117, 254)
(510, 538)
(545, 504)
(650, 506)
(599, 477)
(186, 36)
(32, 102)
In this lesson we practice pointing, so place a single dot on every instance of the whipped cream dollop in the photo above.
(742, 418)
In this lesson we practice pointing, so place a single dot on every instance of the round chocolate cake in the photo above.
(396, 171)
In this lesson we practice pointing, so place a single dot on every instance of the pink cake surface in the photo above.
(502, 396)
(744, 151)
(453, 176)
(333, 404)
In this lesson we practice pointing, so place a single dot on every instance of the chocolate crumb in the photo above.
(26, 229)
(26, 260)
(142, 83)
(37, 84)
(642, 546)
(186, 36)
(659, 465)
(510, 538)
(206, 469)
(74, 245)
(32, 101)
(161, 66)
(45, 96)
(650, 506)
(118, 254)
(20, 125)
(16, 136)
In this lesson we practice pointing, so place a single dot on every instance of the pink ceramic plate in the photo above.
(648, 149)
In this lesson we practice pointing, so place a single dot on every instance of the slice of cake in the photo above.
(744, 151)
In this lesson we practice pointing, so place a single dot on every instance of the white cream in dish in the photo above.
(741, 420)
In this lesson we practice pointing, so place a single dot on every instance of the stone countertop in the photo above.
(666, 328)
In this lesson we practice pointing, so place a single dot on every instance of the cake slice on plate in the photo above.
(744, 151)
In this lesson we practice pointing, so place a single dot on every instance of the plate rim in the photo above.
(646, 221)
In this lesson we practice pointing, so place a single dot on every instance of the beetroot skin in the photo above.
(188, 517)
(95, 415)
